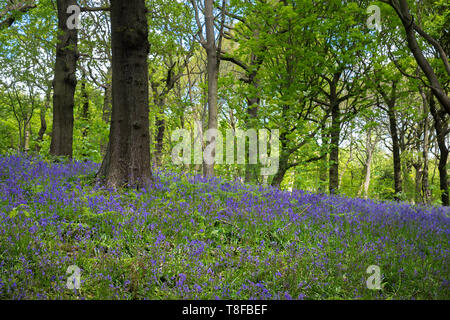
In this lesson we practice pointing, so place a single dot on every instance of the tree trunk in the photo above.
(395, 150)
(426, 145)
(85, 108)
(334, 149)
(64, 84)
(426, 192)
(370, 148)
(213, 74)
(390, 101)
(160, 128)
(418, 182)
(42, 113)
(251, 174)
(106, 110)
(440, 125)
(410, 29)
(282, 169)
(323, 163)
(127, 160)
(106, 113)
(26, 136)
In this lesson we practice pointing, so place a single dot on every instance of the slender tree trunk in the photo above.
(390, 101)
(334, 149)
(159, 101)
(251, 174)
(85, 107)
(349, 160)
(426, 145)
(160, 128)
(418, 198)
(426, 192)
(26, 136)
(106, 110)
(253, 101)
(42, 114)
(323, 163)
(213, 75)
(418, 167)
(127, 160)
(366, 183)
(370, 148)
(410, 28)
(20, 145)
(64, 84)
(282, 169)
(106, 113)
(395, 150)
(441, 126)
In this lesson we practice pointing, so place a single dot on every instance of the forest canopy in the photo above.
(356, 90)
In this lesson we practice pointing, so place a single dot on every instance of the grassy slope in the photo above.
(188, 237)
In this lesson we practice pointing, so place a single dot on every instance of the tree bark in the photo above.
(85, 107)
(213, 75)
(426, 146)
(390, 101)
(26, 136)
(441, 127)
(283, 167)
(42, 113)
(370, 149)
(425, 188)
(335, 133)
(64, 84)
(160, 128)
(106, 111)
(251, 174)
(323, 163)
(410, 27)
(127, 160)
(395, 151)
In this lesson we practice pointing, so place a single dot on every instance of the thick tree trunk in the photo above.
(64, 84)
(441, 126)
(127, 160)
